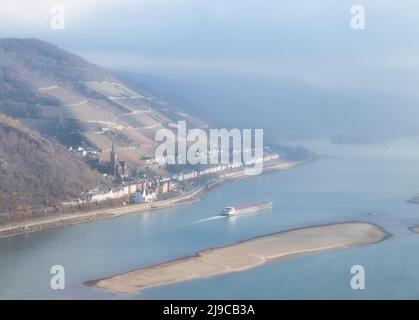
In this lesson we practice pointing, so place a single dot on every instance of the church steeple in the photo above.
(113, 160)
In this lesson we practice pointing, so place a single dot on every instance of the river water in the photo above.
(351, 183)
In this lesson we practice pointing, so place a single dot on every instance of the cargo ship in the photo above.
(248, 208)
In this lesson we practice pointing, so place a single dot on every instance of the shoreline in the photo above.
(52, 222)
(244, 255)
(414, 229)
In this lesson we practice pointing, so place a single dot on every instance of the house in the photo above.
(143, 196)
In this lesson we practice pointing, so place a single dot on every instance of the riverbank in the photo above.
(414, 229)
(244, 255)
(414, 200)
(50, 222)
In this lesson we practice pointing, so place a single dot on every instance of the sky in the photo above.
(305, 39)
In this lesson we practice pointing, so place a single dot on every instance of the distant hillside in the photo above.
(35, 171)
(63, 96)
(287, 108)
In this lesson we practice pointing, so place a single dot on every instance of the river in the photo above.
(368, 183)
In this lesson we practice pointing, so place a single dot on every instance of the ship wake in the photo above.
(209, 219)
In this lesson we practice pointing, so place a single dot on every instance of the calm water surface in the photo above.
(349, 185)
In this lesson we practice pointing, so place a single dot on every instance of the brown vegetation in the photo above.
(36, 171)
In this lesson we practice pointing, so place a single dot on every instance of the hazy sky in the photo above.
(307, 39)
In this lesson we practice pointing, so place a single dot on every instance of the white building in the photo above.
(143, 197)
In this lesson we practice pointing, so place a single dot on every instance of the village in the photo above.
(150, 188)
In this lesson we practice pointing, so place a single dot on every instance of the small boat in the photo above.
(248, 208)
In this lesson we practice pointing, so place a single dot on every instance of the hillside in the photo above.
(35, 171)
(63, 96)
(286, 108)
(51, 100)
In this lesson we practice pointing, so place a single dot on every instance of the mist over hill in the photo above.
(54, 99)
(288, 108)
